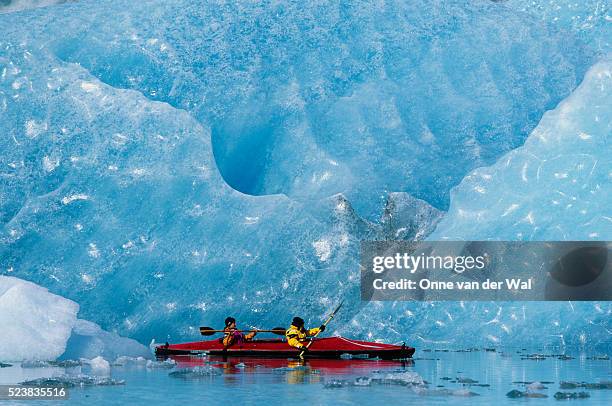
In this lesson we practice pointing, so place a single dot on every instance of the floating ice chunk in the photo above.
(36, 364)
(72, 381)
(99, 366)
(535, 386)
(35, 323)
(88, 340)
(44, 326)
(127, 361)
(195, 372)
(398, 377)
(167, 363)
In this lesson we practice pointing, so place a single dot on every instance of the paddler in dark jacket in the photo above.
(233, 336)
(296, 334)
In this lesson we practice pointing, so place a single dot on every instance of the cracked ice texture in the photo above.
(313, 99)
(122, 210)
(591, 19)
(112, 197)
(555, 187)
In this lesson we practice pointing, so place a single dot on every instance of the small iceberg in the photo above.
(69, 363)
(195, 372)
(571, 395)
(167, 363)
(70, 381)
(129, 361)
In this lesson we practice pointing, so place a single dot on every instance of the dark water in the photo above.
(476, 377)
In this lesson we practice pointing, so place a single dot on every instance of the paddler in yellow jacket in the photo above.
(296, 334)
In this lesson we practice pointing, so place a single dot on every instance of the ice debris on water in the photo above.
(195, 372)
(424, 391)
(36, 364)
(354, 356)
(571, 395)
(515, 393)
(401, 378)
(398, 377)
(69, 363)
(73, 380)
(99, 366)
(167, 363)
(586, 385)
(127, 361)
(604, 357)
(535, 386)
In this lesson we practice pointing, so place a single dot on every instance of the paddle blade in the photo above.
(207, 331)
(279, 331)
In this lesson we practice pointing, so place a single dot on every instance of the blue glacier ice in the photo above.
(555, 187)
(167, 163)
(590, 19)
(10, 6)
(283, 86)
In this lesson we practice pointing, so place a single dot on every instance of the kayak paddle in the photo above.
(331, 316)
(209, 331)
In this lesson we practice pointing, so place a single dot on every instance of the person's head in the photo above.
(298, 322)
(230, 322)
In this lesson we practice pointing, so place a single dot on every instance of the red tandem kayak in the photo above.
(332, 347)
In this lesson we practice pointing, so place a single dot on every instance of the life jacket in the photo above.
(296, 336)
(231, 337)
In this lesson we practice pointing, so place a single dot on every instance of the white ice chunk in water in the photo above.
(39, 325)
(35, 323)
(88, 340)
(99, 366)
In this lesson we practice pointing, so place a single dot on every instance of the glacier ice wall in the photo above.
(114, 201)
(555, 187)
(590, 19)
(360, 98)
(118, 115)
